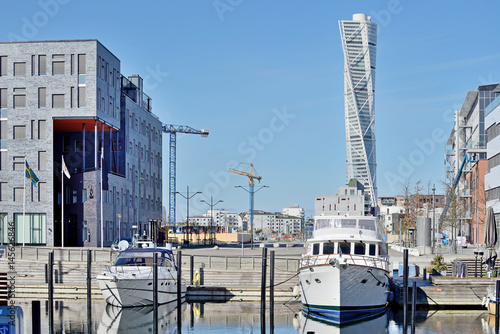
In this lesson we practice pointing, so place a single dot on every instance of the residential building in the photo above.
(68, 99)
(275, 222)
(223, 220)
(466, 165)
(359, 42)
(492, 175)
(349, 201)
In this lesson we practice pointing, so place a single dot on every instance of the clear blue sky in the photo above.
(266, 78)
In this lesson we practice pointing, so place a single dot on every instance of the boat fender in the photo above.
(197, 278)
(296, 291)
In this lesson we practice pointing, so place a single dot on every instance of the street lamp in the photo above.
(211, 204)
(119, 226)
(433, 216)
(187, 197)
(252, 191)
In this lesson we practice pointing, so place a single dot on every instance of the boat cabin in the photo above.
(347, 248)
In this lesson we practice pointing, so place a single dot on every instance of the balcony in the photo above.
(466, 193)
(466, 215)
(476, 147)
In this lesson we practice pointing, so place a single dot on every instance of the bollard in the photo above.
(425, 274)
(35, 317)
(155, 293)
(263, 292)
(271, 292)
(179, 278)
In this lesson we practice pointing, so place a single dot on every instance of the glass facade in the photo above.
(33, 230)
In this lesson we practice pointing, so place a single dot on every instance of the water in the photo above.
(70, 316)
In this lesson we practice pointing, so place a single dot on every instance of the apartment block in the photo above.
(68, 100)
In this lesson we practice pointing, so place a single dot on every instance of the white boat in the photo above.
(344, 276)
(129, 282)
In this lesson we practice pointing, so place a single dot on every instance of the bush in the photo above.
(437, 264)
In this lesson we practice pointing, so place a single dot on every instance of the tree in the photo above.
(413, 205)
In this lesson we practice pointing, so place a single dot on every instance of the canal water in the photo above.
(70, 316)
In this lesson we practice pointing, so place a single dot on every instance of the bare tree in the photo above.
(413, 205)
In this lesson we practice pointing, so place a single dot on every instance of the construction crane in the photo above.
(240, 171)
(173, 130)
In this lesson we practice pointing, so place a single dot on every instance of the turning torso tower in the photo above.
(359, 43)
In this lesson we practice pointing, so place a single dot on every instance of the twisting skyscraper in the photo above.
(359, 43)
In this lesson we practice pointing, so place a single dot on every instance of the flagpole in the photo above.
(102, 215)
(62, 201)
(24, 201)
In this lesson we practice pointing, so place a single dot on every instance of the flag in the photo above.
(65, 169)
(30, 174)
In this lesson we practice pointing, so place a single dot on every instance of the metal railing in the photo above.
(369, 261)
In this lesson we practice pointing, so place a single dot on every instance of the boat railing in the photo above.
(381, 262)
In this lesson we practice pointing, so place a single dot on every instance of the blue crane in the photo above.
(467, 158)
(173, 130)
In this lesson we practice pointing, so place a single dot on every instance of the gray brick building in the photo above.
(68, 99)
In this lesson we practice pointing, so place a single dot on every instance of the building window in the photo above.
(3, 160)
(82, 97)
(58, 101)
(42, 65)
(19, 132)
(3, 66)
(20, 69)
(42, 160)
(66, 144)
(42, 97)
(3, 129)
(57, 67)
(19, 98)
(42, 129)
(18, 163)
(35, 228)
(42, 191)
(3, 97)
(78, 145)
(82, 64)
(3, 191)
(18, 194)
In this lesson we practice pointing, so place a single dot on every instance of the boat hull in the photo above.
(125, 292)
(343, 294)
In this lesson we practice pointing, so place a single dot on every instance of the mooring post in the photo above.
(263, 292)
(271, 291)
(155, 293)
(51, 292)
(405, 286)
(191, 269)
(497, 304)
(413, 306)
(179, 277)
(89, 290)
(35, 317)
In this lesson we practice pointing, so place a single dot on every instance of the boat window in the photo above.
(359, 248)
(349, 223)
(382, 249)
(328, 248)
(315, 249)
(344, 248)
(322, 223)
(372, 250)
(367, 224)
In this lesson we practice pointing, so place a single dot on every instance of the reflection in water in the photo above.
(70, 316)
(310, 325)
(136, 320)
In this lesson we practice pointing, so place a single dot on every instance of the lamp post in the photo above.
(119, 226)
(251, 191)
(187, 197)
(433, 216)
(211, 204)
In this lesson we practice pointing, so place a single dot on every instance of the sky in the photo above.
(266, 78)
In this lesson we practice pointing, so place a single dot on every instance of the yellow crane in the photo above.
(240, 171)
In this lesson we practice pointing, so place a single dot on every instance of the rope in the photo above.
(283, 281)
